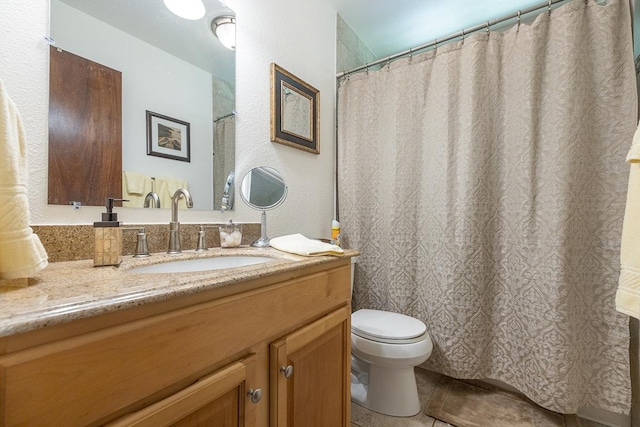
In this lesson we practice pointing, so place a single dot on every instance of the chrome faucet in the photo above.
(174, 225)
(152, 198)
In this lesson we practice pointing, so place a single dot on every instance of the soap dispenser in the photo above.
(108, 237)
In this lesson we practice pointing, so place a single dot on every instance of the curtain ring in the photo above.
(410, 55)
(487, 28)
(435, 50)
(549, 7)
(462, 36)
(519, 16)
(388, 62)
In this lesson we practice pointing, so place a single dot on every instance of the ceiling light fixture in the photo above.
(187, 9)
(224, 28)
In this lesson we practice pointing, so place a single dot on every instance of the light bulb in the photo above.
(224, 27)
(187, 9)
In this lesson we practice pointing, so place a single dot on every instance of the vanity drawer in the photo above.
(94, 377)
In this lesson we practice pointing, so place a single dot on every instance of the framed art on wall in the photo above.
(295, 111)
(168, 137)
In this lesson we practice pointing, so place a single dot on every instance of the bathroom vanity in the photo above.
(260, 345)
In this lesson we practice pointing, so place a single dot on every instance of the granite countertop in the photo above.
(67, 291)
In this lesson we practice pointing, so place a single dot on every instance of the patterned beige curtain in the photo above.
(224, 156)
(484, 184)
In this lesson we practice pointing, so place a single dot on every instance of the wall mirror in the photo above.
(263, 189)
(171, 66)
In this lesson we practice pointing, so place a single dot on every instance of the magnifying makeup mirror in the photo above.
(263, 189)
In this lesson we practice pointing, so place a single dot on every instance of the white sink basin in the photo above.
(202, 264)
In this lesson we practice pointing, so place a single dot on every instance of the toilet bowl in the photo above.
(385, 348)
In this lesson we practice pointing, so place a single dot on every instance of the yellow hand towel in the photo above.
(628, 294)
(166, 189)
(135, 187)
(21, 252)
(301, 245)
(137, 183)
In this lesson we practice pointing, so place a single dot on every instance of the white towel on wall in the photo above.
(21, 252)
(628, 294)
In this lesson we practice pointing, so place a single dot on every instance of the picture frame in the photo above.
(295, 111)
(168, 137)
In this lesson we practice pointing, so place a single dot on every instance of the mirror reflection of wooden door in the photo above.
(85, 130)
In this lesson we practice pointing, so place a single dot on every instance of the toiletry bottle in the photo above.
(335, 232)
(108, 237)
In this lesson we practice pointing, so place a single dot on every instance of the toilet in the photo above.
(385, 348)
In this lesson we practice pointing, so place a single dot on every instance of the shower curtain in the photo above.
(484, 184)
(224, 153)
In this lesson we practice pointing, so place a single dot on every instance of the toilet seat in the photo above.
(387, 327)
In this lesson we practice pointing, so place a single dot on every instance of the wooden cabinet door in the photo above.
(221, 399)
(310, 374)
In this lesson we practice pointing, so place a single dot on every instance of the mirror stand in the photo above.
(263, 188)
(263, 241)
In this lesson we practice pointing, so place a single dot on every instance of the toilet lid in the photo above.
(386, 326)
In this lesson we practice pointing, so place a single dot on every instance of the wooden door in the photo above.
(85, 130)
(221, 399)
(310, 374)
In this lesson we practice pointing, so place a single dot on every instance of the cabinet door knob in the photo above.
(255, 395)
(287, 371)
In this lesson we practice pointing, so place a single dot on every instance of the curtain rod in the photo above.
(486, 26)
(225, 116)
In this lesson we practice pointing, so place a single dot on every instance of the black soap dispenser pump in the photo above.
(108, 237)
(109, 218)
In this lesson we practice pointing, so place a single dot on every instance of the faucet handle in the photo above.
(202, 244)
(142, 248)
(202, 241)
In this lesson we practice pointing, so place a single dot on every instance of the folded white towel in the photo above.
(628, 294)
(301, 245)
(21, 252)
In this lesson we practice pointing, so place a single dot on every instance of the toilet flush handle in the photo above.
(287, 371)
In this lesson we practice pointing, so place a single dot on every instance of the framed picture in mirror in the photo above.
(295, 111)
(168, 137)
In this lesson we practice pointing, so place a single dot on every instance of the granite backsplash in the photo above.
(76, 242)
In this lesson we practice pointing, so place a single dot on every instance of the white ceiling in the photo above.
(151, 21)
(389, 27)
(385, 26)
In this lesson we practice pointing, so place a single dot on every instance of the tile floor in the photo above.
(427, 381)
